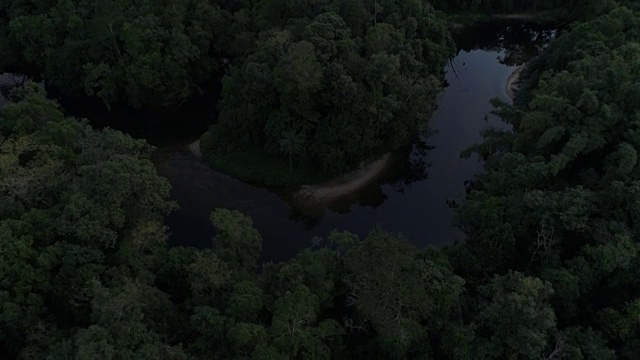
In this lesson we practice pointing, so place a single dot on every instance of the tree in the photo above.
(291, 143)
(622, 325)
(295, 328)
(515, 321)
(121, 329)
(549, 268)
(237, 241)
(558, 197)
(77, 206)
(320, 86)
(401, 293)
(149, 53)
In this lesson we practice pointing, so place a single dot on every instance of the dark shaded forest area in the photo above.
(550, 268)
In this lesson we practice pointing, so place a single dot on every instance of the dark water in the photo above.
(410, 198)
(418, 209)
(7, 82)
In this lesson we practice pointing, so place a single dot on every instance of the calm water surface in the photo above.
(419, 209)
(7, 81)
(410, 198)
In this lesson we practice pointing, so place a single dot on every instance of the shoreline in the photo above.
(194, 147)
(512, 83)
(332, 189)
(346, 184)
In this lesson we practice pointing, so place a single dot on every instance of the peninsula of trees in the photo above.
(550, 268)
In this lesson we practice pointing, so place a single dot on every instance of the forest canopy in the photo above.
(145, 53)
(325, 85)
(549, 269)
(333, 84)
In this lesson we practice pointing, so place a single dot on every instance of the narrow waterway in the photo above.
(416, 207)
(411, 197)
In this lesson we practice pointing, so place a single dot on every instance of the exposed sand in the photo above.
(549, 16)
(352, 182)
(195, 148)
(349, 183)
(516, 16)
(335, 188)
(346, 184)
(512, 83)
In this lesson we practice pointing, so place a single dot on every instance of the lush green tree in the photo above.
(143, 53)
(291, 144)
(332, 90)
(624, 326)
(122, 326)
(515, 321)
(558, 199)
(77, 205)
(404, 294)
(237, 241)
(568, 9)
(550, 267)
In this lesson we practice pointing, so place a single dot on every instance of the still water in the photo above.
(410, 197)
(7, 82)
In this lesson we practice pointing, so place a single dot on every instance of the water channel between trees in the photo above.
(410, 196)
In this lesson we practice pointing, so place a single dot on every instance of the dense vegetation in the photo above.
(329, 86)
(85, 271)
(145, 53)
(573, 7)
(559, 198)
(302, 80)
(313, 88)
(550, 268)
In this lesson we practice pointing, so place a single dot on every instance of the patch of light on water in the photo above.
(7, 82)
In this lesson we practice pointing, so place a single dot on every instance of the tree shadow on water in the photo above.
(406, 167)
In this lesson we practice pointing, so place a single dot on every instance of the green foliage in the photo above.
(77, 206)
(549, 268)
(585, 344)
(402, 293)
(574, 7)
(515, 321)
(118, 329)
(253, 165)
(146, 53)
(237, 241)
(624, 326)
(558, 200)
(330, 90)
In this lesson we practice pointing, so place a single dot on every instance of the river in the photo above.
(411, 197)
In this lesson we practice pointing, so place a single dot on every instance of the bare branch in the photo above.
(557, 352)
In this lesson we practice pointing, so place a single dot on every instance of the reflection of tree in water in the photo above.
(411, 167)
(8, 82)
(406, 167)
(519, 41)
(308, 215)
